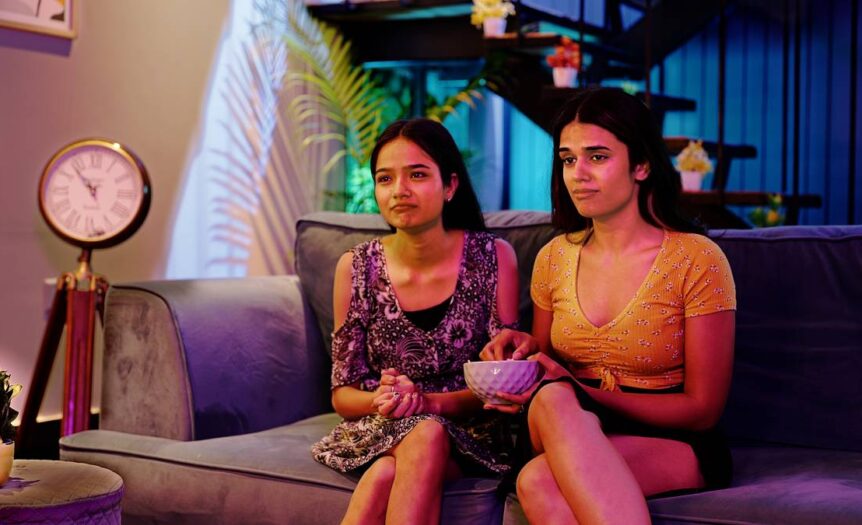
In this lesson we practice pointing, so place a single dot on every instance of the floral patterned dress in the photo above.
(377, 335)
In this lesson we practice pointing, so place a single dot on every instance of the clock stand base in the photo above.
(78, 298)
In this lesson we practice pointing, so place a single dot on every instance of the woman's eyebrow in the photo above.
(598, 147)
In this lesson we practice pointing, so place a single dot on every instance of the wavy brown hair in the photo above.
(633, 124)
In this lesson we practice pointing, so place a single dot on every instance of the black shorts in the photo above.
(710, 446)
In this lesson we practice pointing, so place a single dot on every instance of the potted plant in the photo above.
(491, 15)
(566, 62)
(771, 215)
(7, 431)
(693, 164)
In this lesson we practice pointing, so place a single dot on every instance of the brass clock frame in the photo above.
(110, 239)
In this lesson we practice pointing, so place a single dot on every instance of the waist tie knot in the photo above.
(609, 380)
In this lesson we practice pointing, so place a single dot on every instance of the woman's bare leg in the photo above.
(371, 496)
(540, 496)
(592, 476)
(659, 465)
(421, 461)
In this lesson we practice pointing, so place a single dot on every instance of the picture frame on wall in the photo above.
(49, 17)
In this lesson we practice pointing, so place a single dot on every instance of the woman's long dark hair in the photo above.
(462, 212)
(632, 124)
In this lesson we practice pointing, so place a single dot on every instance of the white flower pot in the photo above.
(565, 76)
(691, 180)
(7, 452)
(494, 26)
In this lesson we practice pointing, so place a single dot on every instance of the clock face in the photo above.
(94, 193)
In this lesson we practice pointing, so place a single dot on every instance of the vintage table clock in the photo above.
(94, 193)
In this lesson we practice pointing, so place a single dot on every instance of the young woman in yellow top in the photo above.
(634, 315)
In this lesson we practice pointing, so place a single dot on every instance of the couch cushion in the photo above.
(790, 486)
(798, 335)
(321, 238)
(265, 477)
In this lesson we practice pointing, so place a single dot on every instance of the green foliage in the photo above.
(771, 215)
(360, 190)
(469, 95)
(343, 103)
(340, 102)
(7, 413)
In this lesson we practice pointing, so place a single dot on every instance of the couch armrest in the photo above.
(198, 359)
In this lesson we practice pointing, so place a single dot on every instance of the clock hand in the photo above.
(87, 183)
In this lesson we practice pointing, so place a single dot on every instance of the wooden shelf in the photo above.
(749, 198)
(711, 207)
(677, 144)
(542, 42)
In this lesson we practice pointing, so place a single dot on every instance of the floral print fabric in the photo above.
(377, 335)
(644, 346)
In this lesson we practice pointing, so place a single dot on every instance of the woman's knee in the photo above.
(556, 400)
(534, 480)
(428, 437)
(381, 473)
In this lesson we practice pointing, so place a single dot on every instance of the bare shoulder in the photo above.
(505, 252)
(344, 267)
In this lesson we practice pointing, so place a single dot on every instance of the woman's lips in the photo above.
(584, 194)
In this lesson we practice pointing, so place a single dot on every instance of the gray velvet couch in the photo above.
(214, 390)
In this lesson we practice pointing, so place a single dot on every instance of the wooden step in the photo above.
(553, 98)
(744, 151)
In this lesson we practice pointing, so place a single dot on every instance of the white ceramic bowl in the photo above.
(486, 378)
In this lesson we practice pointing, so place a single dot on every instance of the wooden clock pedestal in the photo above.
(79, 296)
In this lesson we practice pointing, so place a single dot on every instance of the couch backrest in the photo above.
(799, 320)
(322, 237)
(798, 363)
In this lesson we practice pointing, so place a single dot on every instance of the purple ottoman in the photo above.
(60, 492)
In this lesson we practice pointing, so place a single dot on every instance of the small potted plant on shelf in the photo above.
(566, 62)
(7, 431)
(491, 15)
(693, 164)
(771, 215)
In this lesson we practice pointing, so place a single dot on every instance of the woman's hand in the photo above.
(516, 402)
(397, 396)
(552, 368)
(509, 344)
(395, 405)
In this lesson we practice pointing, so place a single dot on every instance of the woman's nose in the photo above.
(580, 172)
(402, 187)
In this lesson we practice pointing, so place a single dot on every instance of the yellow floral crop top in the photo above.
(644, 346)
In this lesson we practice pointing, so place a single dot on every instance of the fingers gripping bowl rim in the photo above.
(486, 378)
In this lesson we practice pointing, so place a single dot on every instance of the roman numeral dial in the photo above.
(94, 193)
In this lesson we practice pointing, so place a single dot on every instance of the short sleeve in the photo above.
(709, 285)
(540, 285)
(349, 342)
(349, 362)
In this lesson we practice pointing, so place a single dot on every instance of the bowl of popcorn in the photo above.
(486, 378)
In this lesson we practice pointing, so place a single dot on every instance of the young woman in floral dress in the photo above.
(410, 309)
(634, 315)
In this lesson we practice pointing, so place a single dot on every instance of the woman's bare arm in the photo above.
(709, 343)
